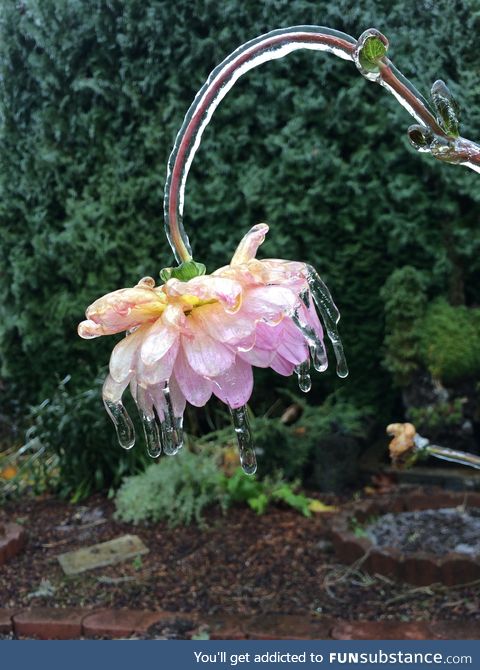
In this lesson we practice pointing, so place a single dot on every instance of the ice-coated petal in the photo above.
(282, 366)
(260, 358)
(222, 326)
(161, 370)
(249, 244)
(235, 386)
(206, 289)
(206, 356)
(196, 389)
(162, 335)
(123, 358)
(176, 395)
(293, 346)
(269, 303)
(124, 309)
(89, 329)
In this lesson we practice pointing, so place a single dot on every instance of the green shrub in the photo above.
(439, 416)
(450, 342)
(176, 489)
(405, 299)
(73, 429)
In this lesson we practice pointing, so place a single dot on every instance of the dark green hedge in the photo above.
(92, 94)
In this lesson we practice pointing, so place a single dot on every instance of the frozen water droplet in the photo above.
(243, 432)
(122, 422)
(315, 344)
(330, 315)
(147, 282)
(149, 421)
(112, 399)
(152, 436)
(171, 426)
(303, 373)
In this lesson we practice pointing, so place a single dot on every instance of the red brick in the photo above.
(349, 549)
(121, 623)
(381, 630)
(288, 627)
(455, 630)
(420, 569)
(6, 623)
(228, 627)
(49, 623)
(386, 562)
(459, 569)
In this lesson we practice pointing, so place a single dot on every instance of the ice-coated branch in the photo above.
(436, 130)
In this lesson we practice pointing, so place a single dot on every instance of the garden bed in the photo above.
(240, 564)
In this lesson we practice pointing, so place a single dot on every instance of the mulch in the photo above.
(239, 564)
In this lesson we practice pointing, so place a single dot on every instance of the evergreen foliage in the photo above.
(405, 299)
(91, 96)
(450, 342)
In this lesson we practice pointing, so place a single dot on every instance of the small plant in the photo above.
(260, 494)
(175, 490)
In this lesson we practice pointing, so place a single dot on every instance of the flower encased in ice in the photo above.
(188, 339)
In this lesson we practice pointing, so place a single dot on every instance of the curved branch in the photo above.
(368, 53)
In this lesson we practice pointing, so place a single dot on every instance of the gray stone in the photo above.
(99, 555)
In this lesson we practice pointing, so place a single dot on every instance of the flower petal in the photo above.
(162, 335)
(123, 358)
(206, 356)
(260, 358)
(207, 288)
(176, 395)
(196, 389)
(161, 369)
(126, 308)
(222, 326)
(235, 386)
(282, 366)
(270, 303)
(249, 244)
(293, 346)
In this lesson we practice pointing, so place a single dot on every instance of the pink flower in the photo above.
(188, 339)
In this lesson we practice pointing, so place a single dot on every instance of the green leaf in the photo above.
(372, 51)
(448, 110)
(183, 272)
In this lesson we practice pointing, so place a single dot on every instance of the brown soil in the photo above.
(241, 563)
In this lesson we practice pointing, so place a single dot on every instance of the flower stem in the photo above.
(277, 44)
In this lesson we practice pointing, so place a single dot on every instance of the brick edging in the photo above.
(420, 568)
(74, 623)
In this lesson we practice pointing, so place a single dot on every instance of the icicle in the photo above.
(149, 422)
(243, 432)
(315, 344)
(172, 426)
(303, 373)
(330, 315)
(112, 399)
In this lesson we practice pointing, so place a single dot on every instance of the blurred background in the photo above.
(91, 97)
